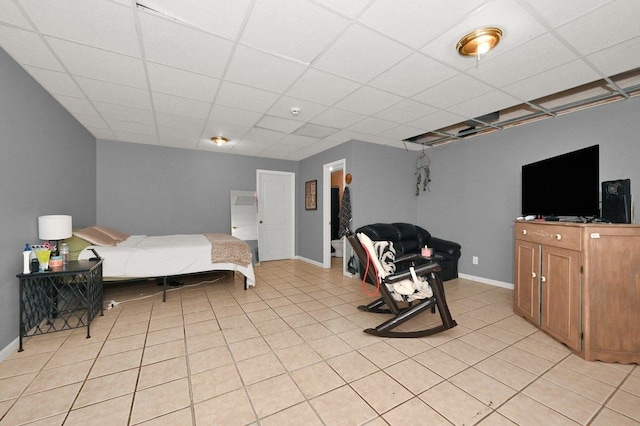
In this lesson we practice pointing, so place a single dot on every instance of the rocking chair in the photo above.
(428, 295)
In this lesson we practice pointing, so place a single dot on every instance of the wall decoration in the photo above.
(310, 195)
(423, 164)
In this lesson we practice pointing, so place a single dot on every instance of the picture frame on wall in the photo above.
(310, 195)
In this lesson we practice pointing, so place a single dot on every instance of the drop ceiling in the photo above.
(175, 73)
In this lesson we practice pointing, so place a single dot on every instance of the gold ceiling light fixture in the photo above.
(479, 42)
(219, 140)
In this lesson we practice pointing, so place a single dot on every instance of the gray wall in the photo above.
(475, 193)
(152, 190)
(47, 166)
(382, 190)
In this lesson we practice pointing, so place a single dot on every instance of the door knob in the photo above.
(543, 279)
(533, 275)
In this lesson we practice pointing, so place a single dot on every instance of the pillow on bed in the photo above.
(76, 245)
(116, 235)
(95, 236)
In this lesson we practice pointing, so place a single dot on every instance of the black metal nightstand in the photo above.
(56, 300)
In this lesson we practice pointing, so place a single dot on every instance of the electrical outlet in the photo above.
(475, 260)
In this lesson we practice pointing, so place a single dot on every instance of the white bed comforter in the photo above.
(158, 256)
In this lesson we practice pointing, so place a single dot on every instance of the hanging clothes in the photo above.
(345, 213)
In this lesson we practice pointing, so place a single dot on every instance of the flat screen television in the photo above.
(566, 185)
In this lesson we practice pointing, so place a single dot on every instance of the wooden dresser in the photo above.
(580, 284)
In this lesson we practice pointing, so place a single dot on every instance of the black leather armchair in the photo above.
(410, 239)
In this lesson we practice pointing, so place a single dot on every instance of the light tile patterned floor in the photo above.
(291, 351)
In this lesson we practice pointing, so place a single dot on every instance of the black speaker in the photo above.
(616, 201)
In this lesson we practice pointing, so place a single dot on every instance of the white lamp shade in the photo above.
(54, 227)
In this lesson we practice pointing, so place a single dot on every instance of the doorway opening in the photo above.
(333, 188)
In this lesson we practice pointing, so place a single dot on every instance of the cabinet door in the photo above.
(561, 304)
(526, 297)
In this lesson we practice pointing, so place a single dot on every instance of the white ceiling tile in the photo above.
(114, 67)
(557, 79)
(405, 111)
(205, 14)
(178, 142)
(517, 25)
(368, 101)
(294, 29)
(452, 91)
(27, 48)
(168, 42)
(414, 74)
(263, 136)
(55, 82)
(338, 118)
(350, 8)
(231, 131)
(137, 138)
(485, 104)
(76, 105)
(180, 106)
(298, 140)
(556, 13)
(315, 130)
(401, 132)
(437, 120)
(258, 69)
(538, 55)
(124, 113)
(322, 87)
(237, 116)
(97, 90)
(12, 15)
(282, 148)
(278, 123)
(372, 125)
(611, 24)
(97, 23)
(183, 134)
(101, 133)
(91, 121)
(341, 136)
(243, 97)
(130, 127)
(416, 22)
(250, 146)
(308, 110)
(179, 122)
(616, 59)
(365, 76)
(361, 54)
(178, 82)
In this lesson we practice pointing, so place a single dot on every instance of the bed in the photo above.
(141, 256)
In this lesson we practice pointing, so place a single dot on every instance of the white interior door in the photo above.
(276, 215)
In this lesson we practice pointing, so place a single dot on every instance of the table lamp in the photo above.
(54, 228)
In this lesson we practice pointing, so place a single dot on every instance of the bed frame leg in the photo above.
(246, 284)
(164, 289)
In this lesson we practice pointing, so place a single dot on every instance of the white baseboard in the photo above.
(9, 349)
(313, 262)
(486, 281)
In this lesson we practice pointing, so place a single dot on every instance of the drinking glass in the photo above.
(43, 254)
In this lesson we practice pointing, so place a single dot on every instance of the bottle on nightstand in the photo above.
(64, 252)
